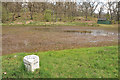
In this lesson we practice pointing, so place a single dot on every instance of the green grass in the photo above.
(37, 23)
(95, 62)
(109, 25)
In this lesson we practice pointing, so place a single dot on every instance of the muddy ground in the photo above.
(34, 39)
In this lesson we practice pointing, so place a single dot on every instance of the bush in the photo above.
(119, 22)
(47, 15)
(113, 22)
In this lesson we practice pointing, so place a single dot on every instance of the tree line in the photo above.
(56, 11)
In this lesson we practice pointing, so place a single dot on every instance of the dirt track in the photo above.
(34, 39)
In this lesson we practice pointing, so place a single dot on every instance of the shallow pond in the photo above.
(94, 32)
(33, 39)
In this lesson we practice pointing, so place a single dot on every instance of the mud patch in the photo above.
(34, 39)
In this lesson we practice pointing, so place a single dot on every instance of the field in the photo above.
(95, 62)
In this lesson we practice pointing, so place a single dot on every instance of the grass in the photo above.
(37, 23)
(109, 25)
(95, 62)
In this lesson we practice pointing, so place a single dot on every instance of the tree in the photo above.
(93, 6)
(5, 9)
(18, 8)
(31, 6)
(100, 10)
(115, 11)
(85, 8)
(112, 10)
(4, 14)
(12, 8)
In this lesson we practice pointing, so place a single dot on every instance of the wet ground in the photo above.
(34, 39)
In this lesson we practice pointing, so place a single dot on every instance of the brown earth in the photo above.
(18, 39)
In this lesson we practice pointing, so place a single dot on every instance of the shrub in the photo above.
(113, 22)
(119, 21)
(47, 15)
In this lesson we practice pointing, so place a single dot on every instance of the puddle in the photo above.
(91, 32)
(78, 31)
(99, 41)
(93, 41)
(99, 32)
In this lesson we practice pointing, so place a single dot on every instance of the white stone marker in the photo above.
(31, 62)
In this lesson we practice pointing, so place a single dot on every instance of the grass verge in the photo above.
(37, 23)
(95, 62)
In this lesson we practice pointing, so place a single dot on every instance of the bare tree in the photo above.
(18, 8)
(115, 11)
(60, 10)
(31, 9)
(80, 9)
(100, 10)
(85, 8)
(12, 8)
(93, 6)
(5, 5)
(108, 6)
(112, 9)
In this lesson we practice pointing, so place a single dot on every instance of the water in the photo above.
(101, 32)
(94, 32)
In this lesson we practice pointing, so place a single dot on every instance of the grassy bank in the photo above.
(95, 62)
(52, 24)
(37, 23)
